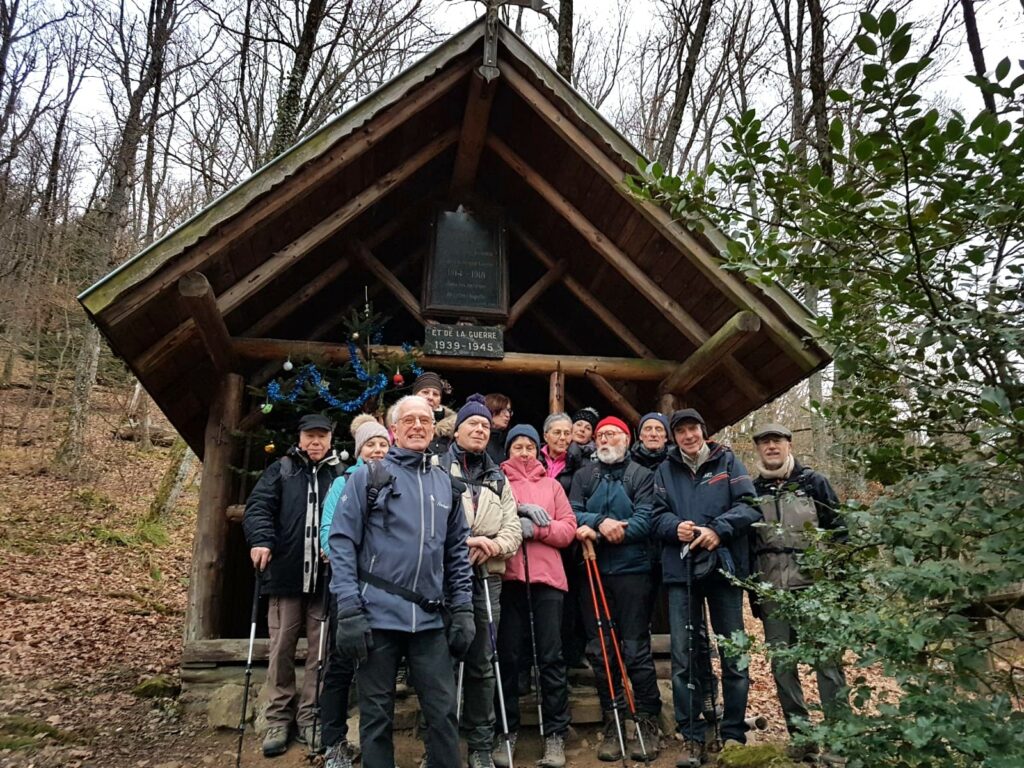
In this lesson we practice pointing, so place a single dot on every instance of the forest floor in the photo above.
(92, 602)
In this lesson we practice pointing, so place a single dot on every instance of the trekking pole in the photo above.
(248, 667)
(627, 688)
(590, 563)
(533, 643)
(713, 647)
(684, 554)
(458, 693)
(493, 632)
(324, 631)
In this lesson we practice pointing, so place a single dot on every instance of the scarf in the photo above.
(775, 474)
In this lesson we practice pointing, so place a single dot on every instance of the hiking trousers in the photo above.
(286, 617)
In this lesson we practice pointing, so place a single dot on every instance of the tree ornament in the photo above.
(269, 448)
(355, 335)
(288, 365)
(267, 408)
(344, 455)
(399, 379)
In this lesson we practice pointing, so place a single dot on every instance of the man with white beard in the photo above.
(612, 498)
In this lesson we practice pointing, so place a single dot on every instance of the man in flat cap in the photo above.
(792, 497)
(281, 525)
(704, 505)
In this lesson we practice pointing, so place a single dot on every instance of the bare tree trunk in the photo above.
(145, 436)
(73, 448)
(173, 482)
(977, 52)
(565, 46)
(684, 84)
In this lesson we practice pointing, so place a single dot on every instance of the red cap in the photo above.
(612, 421)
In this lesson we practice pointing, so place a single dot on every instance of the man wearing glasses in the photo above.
(612, 499)
(400, 558)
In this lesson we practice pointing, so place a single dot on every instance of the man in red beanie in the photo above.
(612, 498)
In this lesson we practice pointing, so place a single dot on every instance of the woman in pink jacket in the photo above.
(548, 525)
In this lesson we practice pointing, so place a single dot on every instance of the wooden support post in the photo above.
(534, 292)
(206, 576)
(382, 273)
(712, 352)
(667, 403)
(472, 135)
(625, 368)
(198, 297)
(556, 391)
(613, 396)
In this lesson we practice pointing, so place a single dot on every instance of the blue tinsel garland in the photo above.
(310, 374)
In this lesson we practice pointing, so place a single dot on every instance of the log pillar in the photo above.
(556, 392)
(668, 403)
(206, 576)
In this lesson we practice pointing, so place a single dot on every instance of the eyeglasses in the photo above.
(609, 434)
(408, 421)
(504, 410)
(559, 432)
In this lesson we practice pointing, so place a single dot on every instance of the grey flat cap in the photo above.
(772, 429)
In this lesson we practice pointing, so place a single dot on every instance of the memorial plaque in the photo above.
(467, 269)
(464, 340)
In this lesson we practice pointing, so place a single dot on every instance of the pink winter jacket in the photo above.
(531, 485)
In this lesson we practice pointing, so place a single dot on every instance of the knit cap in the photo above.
(588, 414)
(657, 417)
(522, 430)
(612, 421)
(475, 405)
(428, 379)
(364, 427)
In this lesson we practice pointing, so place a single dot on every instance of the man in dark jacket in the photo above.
(398, 552)
(703, 509)
(281, 524)
(792, 497)
(612, 501)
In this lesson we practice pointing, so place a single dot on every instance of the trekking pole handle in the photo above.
(588, 550)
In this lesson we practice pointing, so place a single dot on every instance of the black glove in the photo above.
(352, 635)
(536, 514)
(461, 631)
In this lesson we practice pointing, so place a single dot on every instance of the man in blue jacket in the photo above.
(612, 501)
(399, 558)
(704, 505)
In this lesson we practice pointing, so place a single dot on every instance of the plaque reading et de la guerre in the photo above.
(467, 269)
(463, 340)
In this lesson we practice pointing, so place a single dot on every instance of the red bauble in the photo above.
(399, 379)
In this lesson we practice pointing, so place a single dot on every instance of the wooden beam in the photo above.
(625, 368)
(634, 275)
(291, 191)
(706, 263)
(734, 332)
(588, 299)
(472, 135)
(198, 298)
(667, 403)
(382, 273)
(314, 237)
(556, 391)
(613, 396)
(535, 291)
(206, 574)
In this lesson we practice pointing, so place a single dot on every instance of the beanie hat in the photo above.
(688, 414)
(588, 414)
(475, 406)
(613, 421)
(365, 427)
(427, 379)
(653, 415)
(522, 430)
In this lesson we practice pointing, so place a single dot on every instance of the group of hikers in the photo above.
(467, 556)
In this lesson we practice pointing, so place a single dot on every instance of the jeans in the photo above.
(478, 683)
(725, 604)
(629, 600)
(430, 666)
(334, 695)
(286, 616)
(831, 681)
(547, 621)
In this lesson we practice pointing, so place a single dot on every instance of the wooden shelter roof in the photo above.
(594, 271)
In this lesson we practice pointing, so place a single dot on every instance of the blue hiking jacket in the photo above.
(414, 536)
(333, 497)
(720, 496)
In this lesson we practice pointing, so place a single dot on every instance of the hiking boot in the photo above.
(480, 758)
(402, 680)
(554, 752)
(275, 741)
(691, 755)
(647, 727)
(309, 736)
(339, 756)
(500, 753)
(610, 749)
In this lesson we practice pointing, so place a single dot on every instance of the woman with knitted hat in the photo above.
(431, 387)
(549, 526)
(372, 443)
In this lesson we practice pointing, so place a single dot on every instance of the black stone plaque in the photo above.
(467, 269)
(464, 340)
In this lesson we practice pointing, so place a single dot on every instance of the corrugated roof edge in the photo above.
(101, 294)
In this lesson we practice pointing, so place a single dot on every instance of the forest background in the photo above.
(120, 121)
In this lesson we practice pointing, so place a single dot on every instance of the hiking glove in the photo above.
(461, 631)
(527, 526)
(537, 514)
(353, 636)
